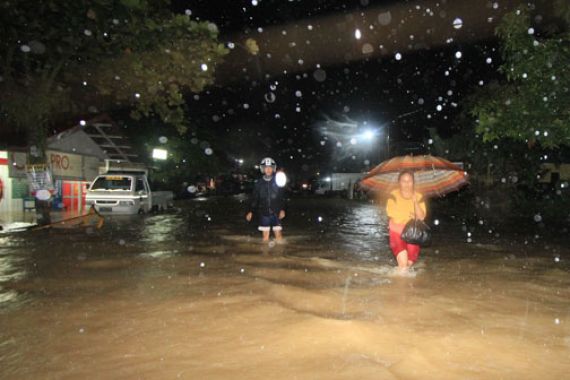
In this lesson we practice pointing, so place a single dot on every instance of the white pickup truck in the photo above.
(124, 189)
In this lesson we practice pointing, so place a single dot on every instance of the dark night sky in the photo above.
(269, 112)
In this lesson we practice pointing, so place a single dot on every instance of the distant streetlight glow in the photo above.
(159, 154)
(368, 135)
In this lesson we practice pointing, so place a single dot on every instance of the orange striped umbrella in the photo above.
(432, 175)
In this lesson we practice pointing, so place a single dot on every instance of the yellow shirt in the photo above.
(401, 210)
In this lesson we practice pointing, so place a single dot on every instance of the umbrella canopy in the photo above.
(432, 175)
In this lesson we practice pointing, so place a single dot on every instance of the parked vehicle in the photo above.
(336, 183)
(123, 188)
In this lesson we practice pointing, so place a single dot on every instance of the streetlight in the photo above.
(159, 154)
(368, 135)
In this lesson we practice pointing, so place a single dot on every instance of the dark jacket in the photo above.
(267, 198)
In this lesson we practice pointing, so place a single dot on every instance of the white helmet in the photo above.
(267, 161)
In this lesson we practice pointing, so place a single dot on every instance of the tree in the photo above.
(64, 56)
(532, 105)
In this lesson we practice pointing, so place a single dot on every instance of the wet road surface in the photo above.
(195, 294)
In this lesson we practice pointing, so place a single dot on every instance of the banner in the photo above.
(39, 179)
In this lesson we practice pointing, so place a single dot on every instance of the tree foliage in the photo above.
(63, 56)
(532, 106)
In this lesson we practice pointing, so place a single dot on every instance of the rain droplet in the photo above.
(357, 34)
(458, 54)
(320, 75)
(202, 264)
(204, 67)
(270, 97)
(367, 48)
(398, 56)
(385, 18)
(188, 12)
(163, 139)
(458, 23)
(192, 189)
(538, 218)
(489, 60)
(298, 94)
(436, 222)
(531, 31)
(25, 48)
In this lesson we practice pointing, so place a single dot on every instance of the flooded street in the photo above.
(195, 294)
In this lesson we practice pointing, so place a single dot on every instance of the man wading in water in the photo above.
(268, 200)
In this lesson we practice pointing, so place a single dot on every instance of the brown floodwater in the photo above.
(195, 294)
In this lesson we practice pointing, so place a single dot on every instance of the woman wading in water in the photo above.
(404, 204)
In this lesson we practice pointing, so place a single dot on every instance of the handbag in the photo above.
(416, 231)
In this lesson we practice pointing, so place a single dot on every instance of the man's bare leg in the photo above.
(278, 235)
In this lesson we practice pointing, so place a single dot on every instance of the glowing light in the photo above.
(369, 135)
(204, 67)
(159, 154)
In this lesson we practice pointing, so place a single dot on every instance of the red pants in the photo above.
(398, 245)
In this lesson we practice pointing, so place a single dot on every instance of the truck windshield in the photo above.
(112, 183)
